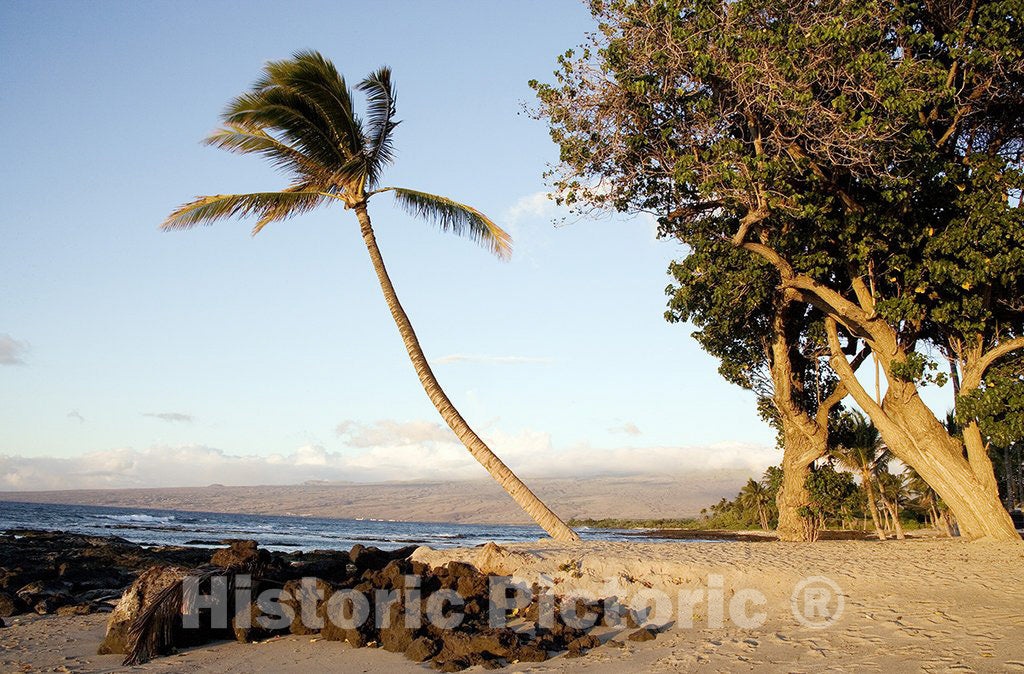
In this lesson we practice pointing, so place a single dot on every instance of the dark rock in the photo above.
(393, 574)
(642, 634)
(376, 559)
(331, 570)
(451, 665)
(36, 591)
(102, 594)
(530, 653)
(318, 595)
(10, 605)
(461, 570)
(50, 603)
(499, 643)
(81, 609)
(422, 649)
(397, 638)
(12, 579)
(470, 587)
(368, 557)
(582, 644)
(247, 627)
(241, 555)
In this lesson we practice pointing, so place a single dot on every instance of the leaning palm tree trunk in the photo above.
(526, 499)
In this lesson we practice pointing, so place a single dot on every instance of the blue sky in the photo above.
(138, 357)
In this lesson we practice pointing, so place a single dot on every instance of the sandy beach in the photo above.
(916, 605)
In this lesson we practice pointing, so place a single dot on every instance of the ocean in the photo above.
(275, 532)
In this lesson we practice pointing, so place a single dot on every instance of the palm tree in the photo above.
(299, 116)
(755, 496)
(892, 489)
(926, 498)
(860, 449)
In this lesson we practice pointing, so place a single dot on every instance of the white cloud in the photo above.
(170, 416)
(12, 352)
(536, 205)
(470, 358)
(386, 451)
(390, 432)
(629, 428)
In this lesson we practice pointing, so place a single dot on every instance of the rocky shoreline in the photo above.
(55, 572)
(141, 586)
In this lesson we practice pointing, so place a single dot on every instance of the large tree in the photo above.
(867, 150)
(300, 117)
(770, 345)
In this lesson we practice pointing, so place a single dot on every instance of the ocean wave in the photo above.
(138, 517)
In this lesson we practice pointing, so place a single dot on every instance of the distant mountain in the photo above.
(477, 501)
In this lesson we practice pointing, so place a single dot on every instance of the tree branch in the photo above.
(846, 373)
(840, 392)
(973, 376)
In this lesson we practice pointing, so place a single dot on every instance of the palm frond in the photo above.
(460, 219)
(242, 140)
(268, 206)
(157, 629)
(291, 118)
(380, 94)
(315, 80)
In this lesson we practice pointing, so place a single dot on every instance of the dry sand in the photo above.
(921, 605)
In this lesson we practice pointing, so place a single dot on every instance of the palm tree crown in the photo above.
(299, 117)
(859, 445)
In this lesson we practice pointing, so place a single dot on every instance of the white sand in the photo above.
(925, 605)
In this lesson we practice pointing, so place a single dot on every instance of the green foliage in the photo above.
(831, 492)
(615, 523)
(998, 405)
(866, 143)
(919, 369)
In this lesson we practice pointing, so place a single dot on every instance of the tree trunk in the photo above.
(865, 476)
(533, 506)
(914, 436)
(1008, 474)
(978, 458)
(920, 441)
(947, 524)
(896, 520)
(798, 455)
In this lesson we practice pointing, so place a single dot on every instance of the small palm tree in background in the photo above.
(926, 499)
(892, 489)
(859, 448)
(755, 496)
(299, 116)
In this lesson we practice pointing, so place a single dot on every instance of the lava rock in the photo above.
(530, 653)
(10, 605)
(422, 649)
(81, 609)
(642, 634)
(581, 645)
(318, 594)
(241, 555)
